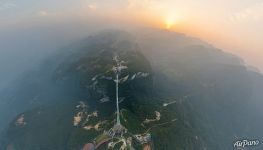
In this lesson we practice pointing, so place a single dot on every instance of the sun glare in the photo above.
(169, 23)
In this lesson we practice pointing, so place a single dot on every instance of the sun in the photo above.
(169, 23)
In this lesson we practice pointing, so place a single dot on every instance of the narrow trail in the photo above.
(160, 124)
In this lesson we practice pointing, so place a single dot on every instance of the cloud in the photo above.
(6, 5)
(140, 4)
(43, 13)
(92, 7)
(254, 13)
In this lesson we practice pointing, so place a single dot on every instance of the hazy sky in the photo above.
(233, 25)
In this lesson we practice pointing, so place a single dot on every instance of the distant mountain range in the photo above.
(186, 93)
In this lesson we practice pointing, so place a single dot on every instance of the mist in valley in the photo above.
(221, 91)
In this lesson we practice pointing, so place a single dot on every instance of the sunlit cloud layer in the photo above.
(235, 26)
